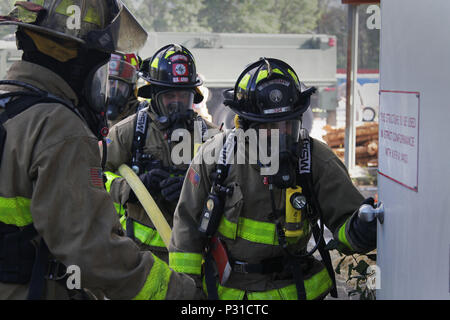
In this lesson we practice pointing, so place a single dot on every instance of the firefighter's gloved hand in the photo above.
(151, 181)
(171, 188)
(363, 232)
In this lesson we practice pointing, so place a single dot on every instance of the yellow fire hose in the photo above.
(146, 200)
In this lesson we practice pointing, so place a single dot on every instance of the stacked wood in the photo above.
(366, 143)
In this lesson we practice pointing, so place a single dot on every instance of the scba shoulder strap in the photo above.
(305, 180)
(14, 103)
(141, 125)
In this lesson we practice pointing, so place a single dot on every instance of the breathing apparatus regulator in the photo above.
(172, 86)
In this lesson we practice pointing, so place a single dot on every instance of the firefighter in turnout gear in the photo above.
(143, 141)
(251, 225)
(54, 210)
(122, 97)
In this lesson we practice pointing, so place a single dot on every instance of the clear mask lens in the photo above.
(118, 90)
(175, 101)
(288, 132)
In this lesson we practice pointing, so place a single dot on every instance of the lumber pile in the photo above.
(366, 143)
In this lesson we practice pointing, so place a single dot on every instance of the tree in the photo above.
(296, 16)
(333, 20)
(261, 16)
(163, 16)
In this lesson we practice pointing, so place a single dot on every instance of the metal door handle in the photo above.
(368, 213)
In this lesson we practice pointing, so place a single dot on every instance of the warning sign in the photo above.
(399, 137)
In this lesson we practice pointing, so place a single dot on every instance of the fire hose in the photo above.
(148, 203)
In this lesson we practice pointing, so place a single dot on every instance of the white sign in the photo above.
(399, 137)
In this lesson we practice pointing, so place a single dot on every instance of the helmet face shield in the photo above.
(106, 25)
(97, 89)
(123, 34)
(175, 101)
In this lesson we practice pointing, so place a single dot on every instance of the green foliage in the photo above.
(296, 16)
(232, 16)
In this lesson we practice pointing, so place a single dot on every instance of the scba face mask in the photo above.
(176, 108)
(288, 142)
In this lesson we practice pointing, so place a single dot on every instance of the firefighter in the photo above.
(55, 215)
(143, 141)
(122, 97)
(251, 222)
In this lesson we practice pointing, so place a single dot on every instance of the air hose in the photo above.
(146, 200)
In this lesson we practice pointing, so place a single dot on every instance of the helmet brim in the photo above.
(43, 30)
(123, 35)
(270, 118)
(198, 83)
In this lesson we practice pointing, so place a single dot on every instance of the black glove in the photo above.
(151, 181)
(362, 232)
(171, 188)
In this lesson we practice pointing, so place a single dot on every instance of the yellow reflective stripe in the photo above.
(144, 234)
(26, 16)
(293, 75)
(92, 17)
(264, 73)
(315, 286)
(15, 211)
(62, 7)
(168, 54)
(261, 75)
(186, 262)
(244, 82)
(225, 293)
(155, 63)
(318, 284)
(343, 236)
(110, 177)
(256, 231)
(157, 283)
(119, 209)
(227, 228)
(251, 230)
